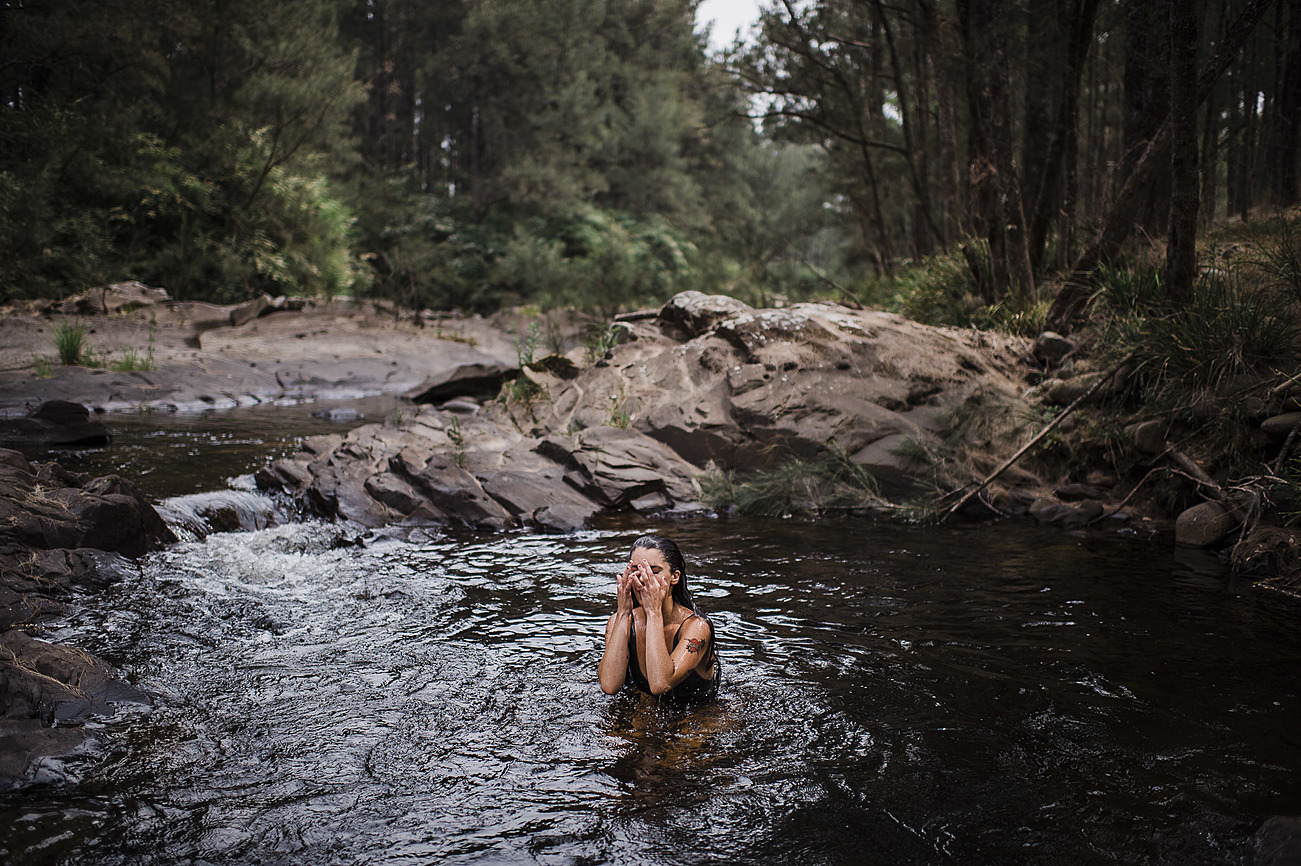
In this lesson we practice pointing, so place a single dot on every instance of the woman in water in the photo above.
(657, 636)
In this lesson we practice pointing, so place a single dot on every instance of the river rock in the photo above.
(696, 313)
(1076, 491)
(117, 298)
(41, 685)
(453, 491)
(1150, 437)
(621, 468)
(54, 423)
(1281, 425)
(1278, 841)
(1204, 525)
(703, 380)
(1063, 392)
(45, 508)
(1052, 347)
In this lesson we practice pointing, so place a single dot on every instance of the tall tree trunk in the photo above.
(996, 191)
(937, 36)
(1181, 250)
(1146, 100)
(1079, 29)
(1156, 160)
(1285, 134)
(1250, 113)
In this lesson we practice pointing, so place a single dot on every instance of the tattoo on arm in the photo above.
(695, 645)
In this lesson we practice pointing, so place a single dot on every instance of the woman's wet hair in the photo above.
(673, 556)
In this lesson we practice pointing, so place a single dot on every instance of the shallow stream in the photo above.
(990, 694)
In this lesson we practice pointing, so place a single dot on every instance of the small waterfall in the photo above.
(198, 515)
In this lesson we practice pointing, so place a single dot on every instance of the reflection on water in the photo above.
(170, 454)
(894, 695)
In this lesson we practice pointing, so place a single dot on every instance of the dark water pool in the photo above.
(994, 694)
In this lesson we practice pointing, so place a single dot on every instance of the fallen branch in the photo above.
(1195, 472)
(1116, 509)
(1008, 463)
(853, 300)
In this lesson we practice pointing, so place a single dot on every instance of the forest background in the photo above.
(962, 161)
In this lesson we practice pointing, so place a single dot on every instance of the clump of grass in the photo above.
(827, 483)
(1225, 330)
(619, 415)
(132, 360)
(598, 343)
(44, 367)
(456, 436)
(1279, 259)
(1023, 320)
(69, 343)
(938, 290)
(524, 351)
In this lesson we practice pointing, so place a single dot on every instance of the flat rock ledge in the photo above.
(59, 532)
(704, 381)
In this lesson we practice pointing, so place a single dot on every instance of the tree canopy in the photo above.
(595, 152)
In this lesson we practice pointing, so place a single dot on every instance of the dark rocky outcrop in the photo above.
(58, 531)
(54, 423)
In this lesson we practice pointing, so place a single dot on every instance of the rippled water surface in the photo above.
(997, 694)
(892, 695)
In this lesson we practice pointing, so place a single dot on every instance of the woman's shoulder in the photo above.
(698, 624)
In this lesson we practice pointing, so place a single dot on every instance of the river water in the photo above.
(979, 694)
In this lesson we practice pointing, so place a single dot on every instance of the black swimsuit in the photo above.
(693, 687)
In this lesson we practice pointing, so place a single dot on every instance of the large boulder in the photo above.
(704, 380)
(47, 508)
(718, 381)
(620, 468)
(1204, 525)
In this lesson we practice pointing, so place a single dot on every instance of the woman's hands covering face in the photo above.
(651, 588)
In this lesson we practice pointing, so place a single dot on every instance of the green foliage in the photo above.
(938, 290)
(830, 482)
(1226, 330)
(594, 260)
(181, 145)
(456, 436)
(524, 351)
(599, 342)
(69, 343)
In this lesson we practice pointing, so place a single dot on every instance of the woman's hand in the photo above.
(651, 588)
(624, 602)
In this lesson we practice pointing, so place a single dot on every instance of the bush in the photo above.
(831, 482)
(1225, 330)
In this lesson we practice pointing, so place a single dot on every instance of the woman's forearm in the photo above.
(659, 664)
(614, 663)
